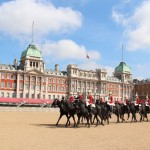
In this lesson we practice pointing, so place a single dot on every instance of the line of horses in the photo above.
(101, 112)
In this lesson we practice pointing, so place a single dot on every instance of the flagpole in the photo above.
(32, 31)
(122, 76)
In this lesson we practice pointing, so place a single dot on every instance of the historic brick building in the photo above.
(30, 79)
(142, 89)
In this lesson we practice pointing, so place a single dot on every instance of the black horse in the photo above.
(143, 112)
(119, 111)
(71, 108)
(133, 109)
(63, 109)
(103, 111)
(82, 112)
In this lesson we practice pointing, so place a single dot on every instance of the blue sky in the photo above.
(64, 30)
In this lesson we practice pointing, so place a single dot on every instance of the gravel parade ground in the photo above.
(37, 131)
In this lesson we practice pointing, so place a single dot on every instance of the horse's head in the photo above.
(55, 103)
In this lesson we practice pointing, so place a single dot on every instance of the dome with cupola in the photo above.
(31, 51)
(123, 68)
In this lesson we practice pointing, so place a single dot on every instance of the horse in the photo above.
(71, 111)
(133, 109)
(143, 112)
(82, 111)
(103, 111)
(118, 110)
(63, 109)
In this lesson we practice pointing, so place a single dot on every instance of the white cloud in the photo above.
(16, 18)
(92, 65)
(140, 71)
(137, 25)
(68, 49)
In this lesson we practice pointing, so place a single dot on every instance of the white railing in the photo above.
(27, 109)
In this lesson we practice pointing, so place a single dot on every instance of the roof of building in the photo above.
(31, 51)
(7, 67)
(123, 67)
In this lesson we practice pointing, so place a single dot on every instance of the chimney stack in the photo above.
(56, 67)
(15, 63)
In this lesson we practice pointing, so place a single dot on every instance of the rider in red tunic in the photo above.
(71, 99)
(111, 100)
(90, 99)
(80, 97)
(127, 101)
(137, 101)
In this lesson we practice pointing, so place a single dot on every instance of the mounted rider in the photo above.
(89, 101)
(80, 96)
(137, 102)
(71, 99)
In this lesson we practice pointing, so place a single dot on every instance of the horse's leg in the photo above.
(94, 119)
(74, 121)
(68, 119)
(128, 115)
(135, 118)
(117, 117)
(97, 120)
(140, 117)
(132, 118)
(88, 122)
(107, 119)
(59, 118)
(82, 119)
(146, 117)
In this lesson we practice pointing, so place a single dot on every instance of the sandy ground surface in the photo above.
(37, 131)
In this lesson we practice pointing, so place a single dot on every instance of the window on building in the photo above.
(38, 96)
(38, 87)
(21, 95)
(44, 79)
(27, 86)
(21, 86)
(3, 75)
(58, 81)
(8, 76)
(33, 64)
(13, 95)
(54, 80)
(21, 77)
(14, 77)
(32, 95)
(39, 79)
(62, 81)
(44, 87)
(58, 88)
(62, 89)
(33, 87)
(33, 78)
(53, 97)
(50, 80)
(49, 96)
(2, 84)
(8, 85)
(27, 78)
(30, 63)
(36, 64)
(43, 96)
(49, 88)
(54, 88)
(2, 94)
(27, 95)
